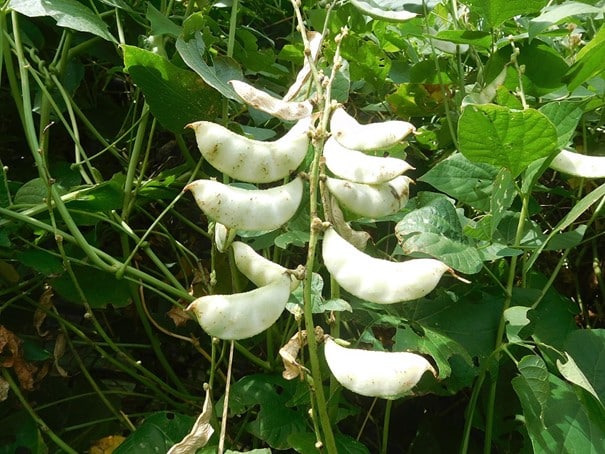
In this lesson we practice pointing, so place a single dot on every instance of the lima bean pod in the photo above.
(251, 160)
(377, 280)
(388, 375)
(355, 136)
(315, 39)
(371, 201)
(247, 209)
(579, 165)
(257, 268)
(242, 315)
(358, 167)
(286, 110)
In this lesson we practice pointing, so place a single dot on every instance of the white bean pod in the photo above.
(358, 167)
(286, 110)
(377, 280)
(251, 160)
(371, 201)
(242, 315)
(374, 373)
(378, 13)
(257, 268)
(355, 136)
(579, 165)
(247, 209)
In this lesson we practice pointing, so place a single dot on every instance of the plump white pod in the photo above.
(257, 268)
(242, 315)
(373, 373)
(351, 134)
(371, 200)
(392, 16)
(247, 209)
(358, 167)
(250, 160)
(579, 165)
(286, 110)
(377, 280)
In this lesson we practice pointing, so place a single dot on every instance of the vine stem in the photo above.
(385, 427)
(489, 424)
(221, 441)
(39, 421)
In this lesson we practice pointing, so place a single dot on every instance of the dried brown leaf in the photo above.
(178, 316)
(11, 355)
(200, 433)
(45, 302)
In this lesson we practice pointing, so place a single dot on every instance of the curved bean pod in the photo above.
(242, 315)
(286, 110)
(247, 209)
(579, 165)
(250, 160)
(374, 373)
(257, 268)
(358, 167)
(376, 280)
(315, 39)
(371, 201)
(392, 16)
(355, 136)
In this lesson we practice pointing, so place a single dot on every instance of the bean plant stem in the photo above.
(512, 274)
(221, 440)
(385, 426)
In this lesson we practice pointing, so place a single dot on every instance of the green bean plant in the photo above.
(307, 226)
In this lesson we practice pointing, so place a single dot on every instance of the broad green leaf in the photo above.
(160, 24)
(494, 12)
(305, 443)
(589, 62)
(435, 230)
(99, 287)
(587, 348)
(565, 116)
(466, 181)
(216, 76)
(176, 96)
(506, 138)
(502, 197)
(471, 37)
(578, 209)
(158, 433)
(572, 373)
(367, 61)
(534, 370)
(557, 13)
(566, 240)
(319, 304)
(31, 193)
(275, 420)
(294, 237)
(103, 197)
(41, 261)
(517, 323)
(68, 14)
(567, 425)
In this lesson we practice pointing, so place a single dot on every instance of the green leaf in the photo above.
(102, 197)
(319, 304)
(68, 13)
(41, 260)
(304, 443)
(517, 323)
(435, 230)
(175, 96)
(24, 434)
(534, 370)
(471, 37)
(565, 116)
(502, 197)
(587, 349)
(275, 421)
(506, 138)
(557, 13)
(466, 181)
(100, 288)
(160, 24)
(367, 61)
(217, 76)
(158, 433)
(589, 62)
(293, 237)
(567, 425)
(494, 12)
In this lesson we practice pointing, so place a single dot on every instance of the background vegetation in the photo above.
(100, 250)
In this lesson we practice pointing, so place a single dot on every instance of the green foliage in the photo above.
(100, 248)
